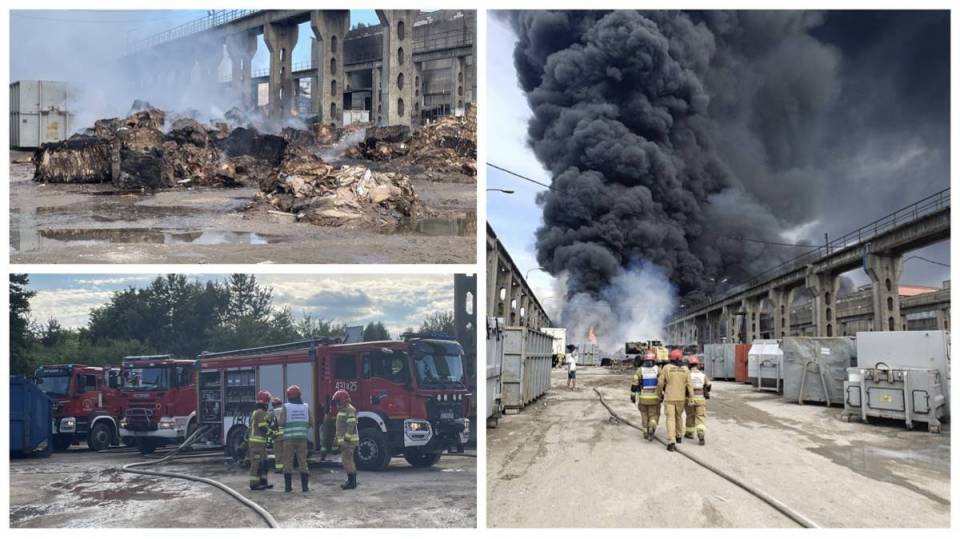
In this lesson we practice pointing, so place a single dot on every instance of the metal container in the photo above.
(720, 361)
(526, 366)
(559, 339)
(31, 422)
(494, 370)
(741, 355)
(764, 361)
(895, 393)
(815, 368)
(908, 349)
(588, 354)
(38, 113)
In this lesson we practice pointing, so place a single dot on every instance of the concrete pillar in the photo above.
(824, 287)
(458, 83)
(781, 299)
(376, 101)
(208, 57)
(398, 72)
(884, 272)
(508, 296)
(241, 48)
(493, 270)
(751, 319)
(417, 91)
(326, 92)
(281, 39)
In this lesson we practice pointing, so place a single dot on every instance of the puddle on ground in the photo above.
(51, 238)
(440, 226)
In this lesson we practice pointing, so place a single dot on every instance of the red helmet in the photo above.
(649, 356)
(693, 360)
(263, 397)
(341, 396)
(293, 392)
(676, 355)
(277, 401)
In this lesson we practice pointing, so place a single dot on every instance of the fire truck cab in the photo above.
(161, 400)
(411, 396)
(87, 404)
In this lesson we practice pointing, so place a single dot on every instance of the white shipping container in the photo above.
(764, 365)
(526, 367)
(907, 349)
(494, 369)
(559, 339)
(355, 116)
(38, 113)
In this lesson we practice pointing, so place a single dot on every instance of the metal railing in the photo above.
(923, 207)
(265, 71)
(215, 19)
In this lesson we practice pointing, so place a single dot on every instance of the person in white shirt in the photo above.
(571, 361)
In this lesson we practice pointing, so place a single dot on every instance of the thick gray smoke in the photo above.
(671, 138)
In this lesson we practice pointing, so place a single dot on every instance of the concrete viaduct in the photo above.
(508, 294)
(406, 41)
(878, 248)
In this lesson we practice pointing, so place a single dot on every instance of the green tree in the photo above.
(438, 322)
(20, 323)
(375, 331)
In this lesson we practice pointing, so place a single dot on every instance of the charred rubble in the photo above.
(150, 149)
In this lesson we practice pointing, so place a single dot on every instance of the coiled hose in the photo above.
(129, 468)
(763, 496)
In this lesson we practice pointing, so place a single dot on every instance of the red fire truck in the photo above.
(87, 404)
(161, 402)
(411, 396)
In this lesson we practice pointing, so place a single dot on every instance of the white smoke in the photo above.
(635, 306)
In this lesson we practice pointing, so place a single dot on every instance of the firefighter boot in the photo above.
(688, 435)
(305, 482)
(671, 447)
(679, 439)
(703, 440)
(651, 430)
(287, 482)
(264, 472)
(350, 483)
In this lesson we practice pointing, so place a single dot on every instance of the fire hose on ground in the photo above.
(129, 468)
(763, 496)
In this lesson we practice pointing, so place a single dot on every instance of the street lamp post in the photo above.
(504, 191)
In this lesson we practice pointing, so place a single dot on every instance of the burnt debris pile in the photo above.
(446, 145)
(324, 194)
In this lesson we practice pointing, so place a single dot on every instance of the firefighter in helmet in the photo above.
(644, 393)
(346, 436)
(295, 420)
(674, 389)
(697, 405)
(277, 436)
(257, 442)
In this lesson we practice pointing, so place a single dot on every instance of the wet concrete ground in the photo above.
(562, 462)
(95, 224)
(79, 488)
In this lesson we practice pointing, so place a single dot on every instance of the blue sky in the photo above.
(399, 301)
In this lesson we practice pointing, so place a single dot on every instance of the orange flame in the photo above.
(592, 336)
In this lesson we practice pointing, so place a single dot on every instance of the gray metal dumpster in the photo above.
(38, 113)
(908, 349)
(494, 370)
(720, 361)
(527, 355)
(815, 368)
(764, 367)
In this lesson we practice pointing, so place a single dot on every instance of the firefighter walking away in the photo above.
(644, 393)
(675, 390)
(257, 443)
(697, 406)
(295, 420)
(277, 436)
(347, 436)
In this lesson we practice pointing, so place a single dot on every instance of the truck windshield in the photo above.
(438, 365)
(146, 378)
(57, 385)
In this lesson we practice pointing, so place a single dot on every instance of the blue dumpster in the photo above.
(31, 425)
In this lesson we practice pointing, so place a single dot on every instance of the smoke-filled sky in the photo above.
(399, 301)
(672, 134)
(82, 47)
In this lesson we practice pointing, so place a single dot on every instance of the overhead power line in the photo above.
(521, 176)
(926, 260)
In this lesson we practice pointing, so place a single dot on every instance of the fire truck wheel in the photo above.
(61, 442)
(237, 443)
(147, 445)
(421, 459)
(373, 454)
(100, 436)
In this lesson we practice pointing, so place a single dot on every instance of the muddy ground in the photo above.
(562, 462)
(79, 488)
(93, 224)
